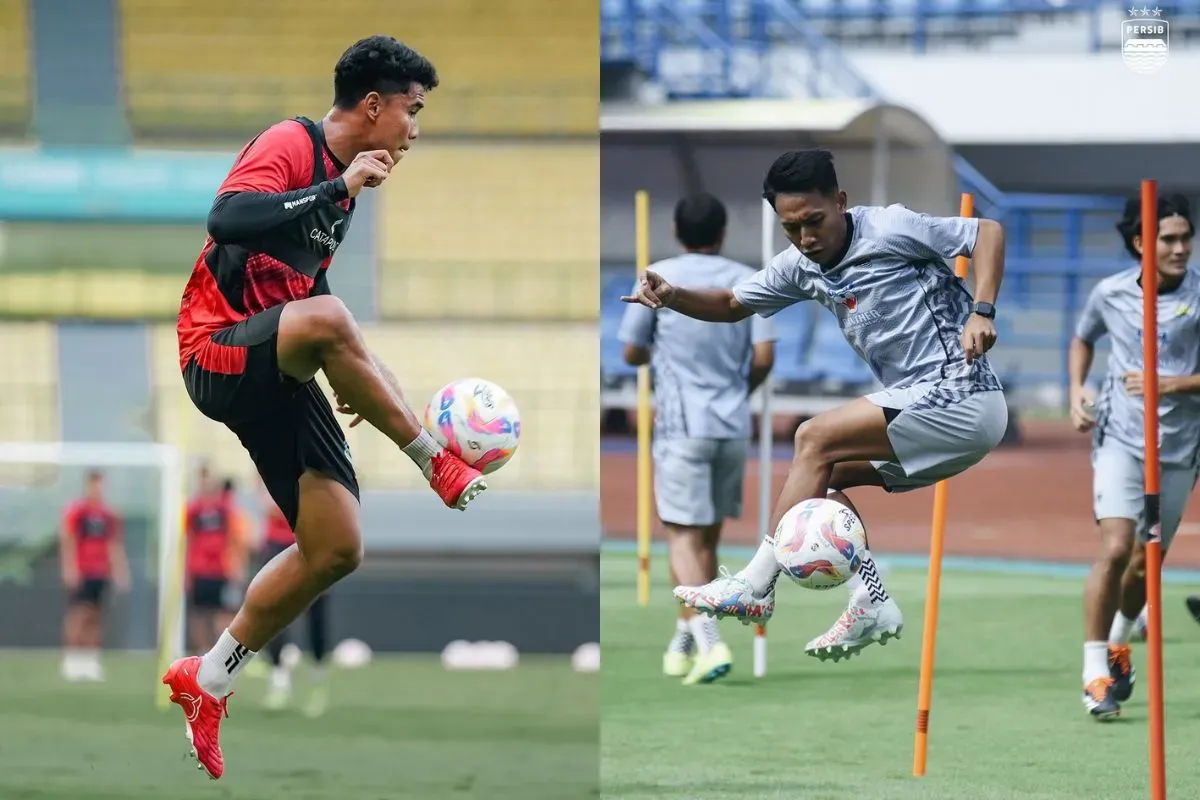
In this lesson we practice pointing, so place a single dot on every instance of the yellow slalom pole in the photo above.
(642, 225)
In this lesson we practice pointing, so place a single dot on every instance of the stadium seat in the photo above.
(612, 352)
(15, 105)
(832, 359)
(793, 326)
(266, 60)
(29, 383)
(447, 240)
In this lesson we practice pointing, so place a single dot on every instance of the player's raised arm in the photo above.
(257, 196)
(709, 305)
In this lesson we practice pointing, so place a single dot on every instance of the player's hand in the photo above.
(121, 583)
(71, 581)
(369, 168)
(652, 291)
(344, 408)
(978, 336)
(1135, 384)
(1081, 410)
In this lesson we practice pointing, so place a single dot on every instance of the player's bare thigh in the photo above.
(854, 432)
(308, 328)
(327, 525)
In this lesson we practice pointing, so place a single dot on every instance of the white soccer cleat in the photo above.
(728, 596)
(856, 628)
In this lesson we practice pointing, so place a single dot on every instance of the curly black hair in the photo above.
(1130, 224)
(379, 64)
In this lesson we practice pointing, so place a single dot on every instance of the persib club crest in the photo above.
(1145, 40)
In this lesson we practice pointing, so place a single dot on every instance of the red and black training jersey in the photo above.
(209, 527)
(279, 532)
(273, 229)
(92, 527)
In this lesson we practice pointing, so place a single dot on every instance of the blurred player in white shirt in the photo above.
(1115, 593)
(883, 273)
(703, 376)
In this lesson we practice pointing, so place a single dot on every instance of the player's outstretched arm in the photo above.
(708, 305)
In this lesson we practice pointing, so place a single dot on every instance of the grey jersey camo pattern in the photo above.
(898, 304)
(1115, 308)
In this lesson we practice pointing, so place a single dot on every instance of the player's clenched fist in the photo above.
(369, 169)
(652, 291)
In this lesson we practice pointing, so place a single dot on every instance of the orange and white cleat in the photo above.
(202, 714)
(454, 481)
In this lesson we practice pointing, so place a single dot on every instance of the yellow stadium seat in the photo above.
(495, 231)
(15, 105)
(517, 67)
(28, 393)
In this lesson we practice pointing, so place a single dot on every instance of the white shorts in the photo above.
(1118, 490)
(937, 433)
(698, 482)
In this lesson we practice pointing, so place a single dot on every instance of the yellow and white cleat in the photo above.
(710, 666)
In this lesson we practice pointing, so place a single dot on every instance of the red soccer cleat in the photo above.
(202, 713)
(455, 482)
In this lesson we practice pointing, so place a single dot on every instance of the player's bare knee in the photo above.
(1117, 551)
(812, 443)
(331, 324)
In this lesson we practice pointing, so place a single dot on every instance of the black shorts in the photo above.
(286, 426)
(208, 594)
(91, 592)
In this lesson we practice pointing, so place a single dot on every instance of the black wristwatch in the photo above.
(985, 310)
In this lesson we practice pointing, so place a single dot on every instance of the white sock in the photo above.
(682, 641)
(222, 664)
(281, 679)
(318, 674)
(866, 585)
(1095, 661)
(763, 569)
(422, 450)
(705, 631)
(1121, 630)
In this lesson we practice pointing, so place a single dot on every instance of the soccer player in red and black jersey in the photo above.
(92, 551)
(258, 322)
(216, 538)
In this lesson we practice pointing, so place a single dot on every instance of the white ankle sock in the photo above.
(422, 450)
(1121, 630)
(763, 569)
(866, 586)
(705, 631)
(1095, 661)
(222, 664)
(683, 640)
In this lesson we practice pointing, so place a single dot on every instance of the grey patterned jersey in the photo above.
(700, 368)
(1115, 307)
(899, 305)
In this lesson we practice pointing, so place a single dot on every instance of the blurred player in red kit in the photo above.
(215, 564)
(92, 551)
(258, 322)
(278, 537)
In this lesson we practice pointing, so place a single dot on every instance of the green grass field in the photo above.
(402, 728)
(1006, 722)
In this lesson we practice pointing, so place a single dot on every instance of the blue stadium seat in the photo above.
(793, 327)
(832, 358)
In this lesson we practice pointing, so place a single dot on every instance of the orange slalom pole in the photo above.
(941, 493)
(1154, 654)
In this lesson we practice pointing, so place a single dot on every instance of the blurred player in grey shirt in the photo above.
(703, 376)
(1115, 591)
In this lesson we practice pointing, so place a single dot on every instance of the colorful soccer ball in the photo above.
(819, 543)
(477, 421)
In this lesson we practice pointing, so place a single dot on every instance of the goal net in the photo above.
(143, 485)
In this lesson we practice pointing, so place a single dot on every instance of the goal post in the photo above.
(168, 528)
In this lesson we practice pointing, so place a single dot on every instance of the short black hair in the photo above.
(379, 64)
(800, 171)
(1130, 224)
(699, 220)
